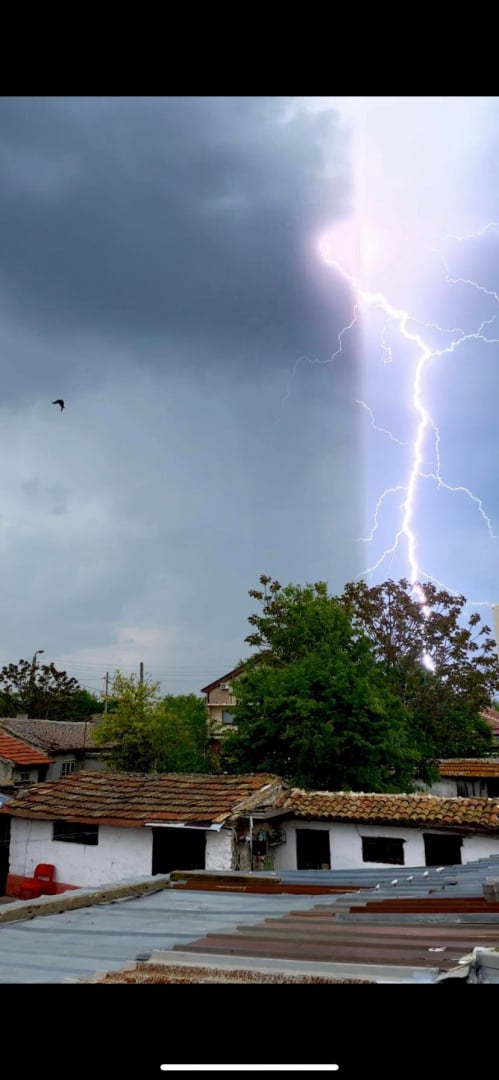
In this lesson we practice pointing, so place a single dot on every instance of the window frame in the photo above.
(387, 841)
(77, 832)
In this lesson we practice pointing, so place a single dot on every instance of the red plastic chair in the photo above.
(42, 883)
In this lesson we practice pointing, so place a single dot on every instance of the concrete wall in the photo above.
(54, 770)
(443, 787)
(217, 701)
(346, 844)
(220, 850)
(120, 853)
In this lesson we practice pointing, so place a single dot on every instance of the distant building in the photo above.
(220, 702)
(69, 744)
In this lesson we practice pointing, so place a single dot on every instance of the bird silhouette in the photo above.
(59, 401)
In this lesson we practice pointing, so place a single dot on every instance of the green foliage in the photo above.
(83, 704)
(313, 705)
(147, 733)
(443, 667)
(40, 690)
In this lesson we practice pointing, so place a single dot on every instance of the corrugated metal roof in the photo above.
(271, 932)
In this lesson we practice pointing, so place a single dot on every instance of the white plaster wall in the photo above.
(54, 770)
(219, 850)
(120, 853)
(443, 787)
(5, 770)
(346, 845)
(479, 847)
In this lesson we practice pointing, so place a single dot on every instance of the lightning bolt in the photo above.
(407, 327)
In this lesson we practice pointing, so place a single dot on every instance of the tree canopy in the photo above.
(312, 704)
(442, 664)
(40, 690)
(365, 690)
(149, 733)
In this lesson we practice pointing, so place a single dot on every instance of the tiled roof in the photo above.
(469, 767)
(52, 735)
(475, 815)
(222, 678)
(19, 753)
(132, 799)
(492, 717)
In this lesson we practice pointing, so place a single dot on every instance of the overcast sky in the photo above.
(160, 270)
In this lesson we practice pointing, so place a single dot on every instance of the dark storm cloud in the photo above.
(169, 219)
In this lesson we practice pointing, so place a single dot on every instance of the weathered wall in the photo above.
(121, 853)
(219, 850)
(346, 844)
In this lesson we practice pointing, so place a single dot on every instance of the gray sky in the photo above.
(179, 270)
(158, 271)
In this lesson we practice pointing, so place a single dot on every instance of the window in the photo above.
(383, 849)
(24, 777)
(442, 850)
(67, 767)
(75, 832)
(227, 716)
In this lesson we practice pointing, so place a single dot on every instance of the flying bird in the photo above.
(59, 401)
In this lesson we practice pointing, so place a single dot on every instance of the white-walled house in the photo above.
(20, 764)
(69, 743)
(468, 777)
(96, 828)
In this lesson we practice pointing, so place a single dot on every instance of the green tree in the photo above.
(312, 704)
(130, 731)
(148, 733)
(183, 734)
(40, 690)
(443, 666)
(84, 704)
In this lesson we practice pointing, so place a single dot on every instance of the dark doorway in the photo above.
(4, 852)
(178, 849)
(312, 849)
(442, 850)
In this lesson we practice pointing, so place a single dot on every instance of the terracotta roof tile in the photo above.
(476, 767)
(475, 813)
(19, 753)
(133, 799)
(492, 716)
(52, 735)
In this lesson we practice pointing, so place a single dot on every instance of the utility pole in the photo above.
(141, 672)
(32, 682)
(106, 691)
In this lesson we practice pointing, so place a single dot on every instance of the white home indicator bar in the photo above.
(250, 1068)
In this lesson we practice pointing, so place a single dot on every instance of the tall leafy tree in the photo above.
(40, 690)
(149, 733)
(441, 663)
(313, 704)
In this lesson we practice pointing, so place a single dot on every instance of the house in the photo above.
(69, 743)
(468, 777)
(220, 703)
(98, 828)
(20, 764)
(492, 718)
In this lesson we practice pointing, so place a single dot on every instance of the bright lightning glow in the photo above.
(425, 427)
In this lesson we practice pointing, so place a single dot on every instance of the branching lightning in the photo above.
(413, 331)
